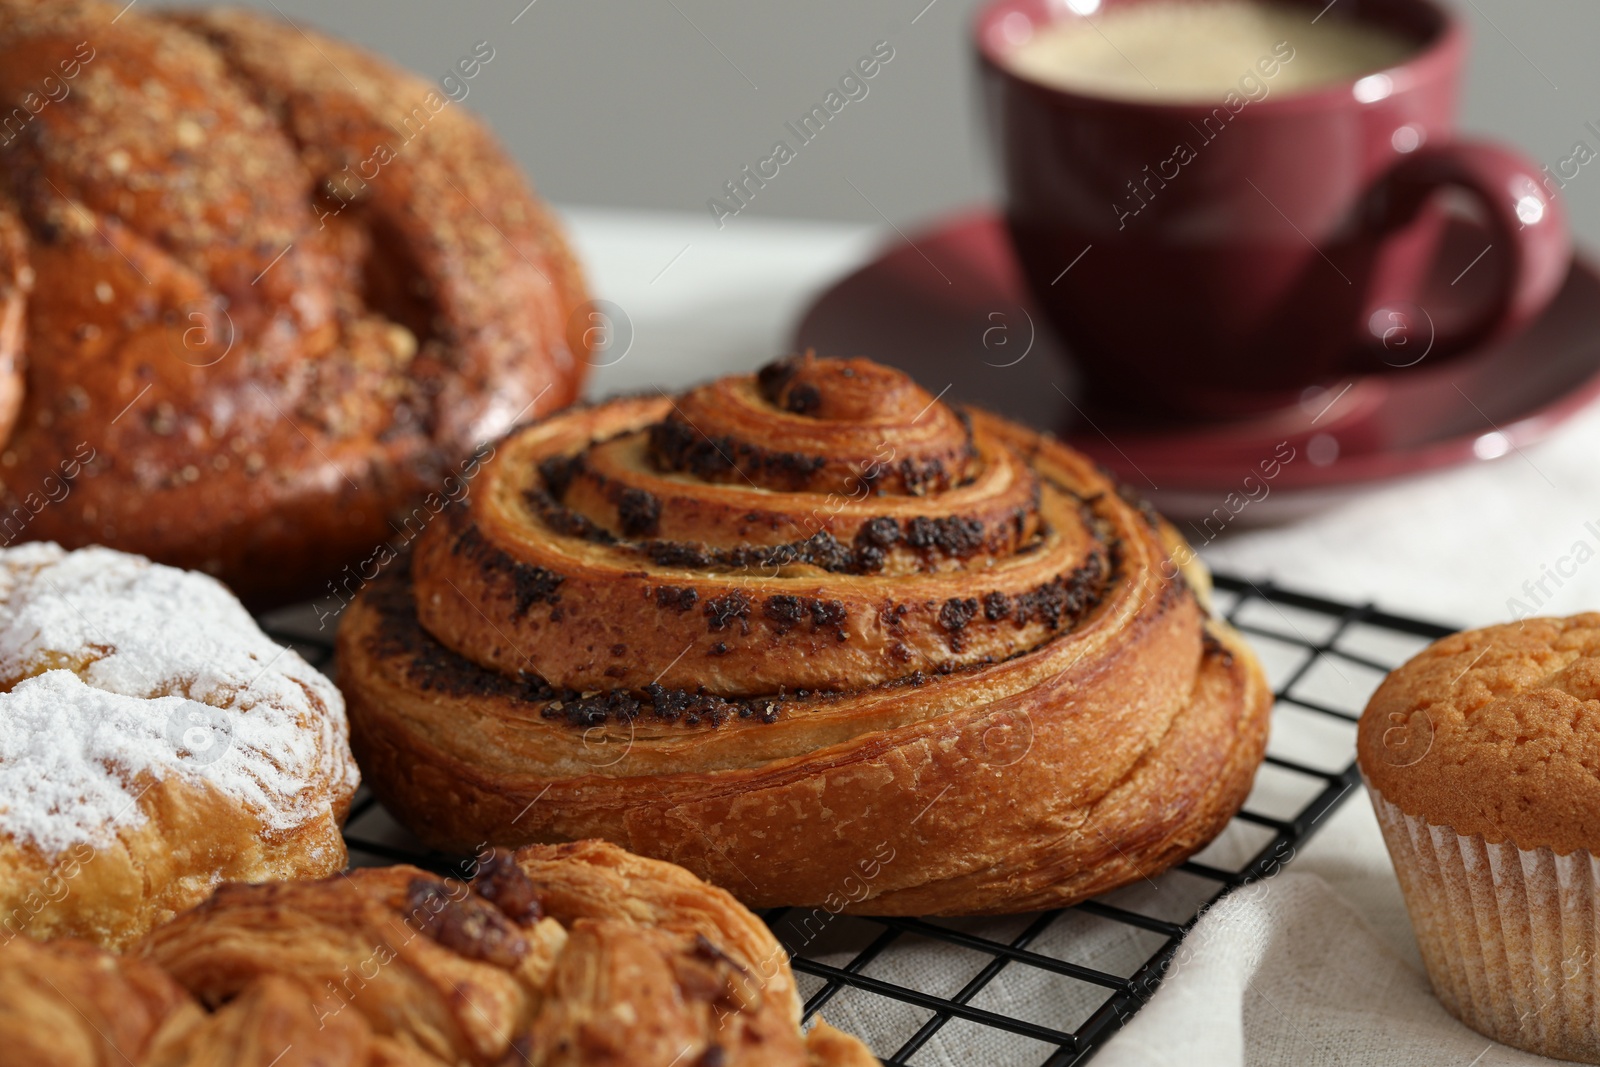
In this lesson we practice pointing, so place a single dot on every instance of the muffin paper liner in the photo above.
(1510, 937)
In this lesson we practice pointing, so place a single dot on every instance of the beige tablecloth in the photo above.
(1315, 967)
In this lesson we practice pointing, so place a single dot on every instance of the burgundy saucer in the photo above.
(949, 306)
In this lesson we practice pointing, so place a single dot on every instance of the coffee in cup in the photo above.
(1186, 51)
(1219, 203)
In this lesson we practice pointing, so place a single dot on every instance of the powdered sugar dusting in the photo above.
(122, 671)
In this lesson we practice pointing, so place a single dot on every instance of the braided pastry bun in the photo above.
(153, 743)
(577, 954)
(816, 636)
(260, 292)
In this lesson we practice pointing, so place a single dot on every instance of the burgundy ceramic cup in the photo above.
(1218, 258)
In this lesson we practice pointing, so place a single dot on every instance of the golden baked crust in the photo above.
(71, 1004)
(1495, 732)
(578, 954)
(274, 291)
(986, 688)
(153, 743)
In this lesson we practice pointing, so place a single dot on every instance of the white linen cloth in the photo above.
(1315, 966)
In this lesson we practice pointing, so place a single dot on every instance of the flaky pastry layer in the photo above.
(577, 954)
(983, 707)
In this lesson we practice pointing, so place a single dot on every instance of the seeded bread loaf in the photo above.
(255, 342)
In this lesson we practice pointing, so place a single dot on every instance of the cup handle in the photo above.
(1524, 218)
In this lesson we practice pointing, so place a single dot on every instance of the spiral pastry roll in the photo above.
(817, 636)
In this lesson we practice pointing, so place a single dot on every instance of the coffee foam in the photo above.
(1172, 50)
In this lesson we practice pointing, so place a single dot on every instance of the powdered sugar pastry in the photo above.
(116, 671)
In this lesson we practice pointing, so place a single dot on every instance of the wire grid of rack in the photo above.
(1052, 987)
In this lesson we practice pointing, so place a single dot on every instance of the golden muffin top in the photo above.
(1495, 732)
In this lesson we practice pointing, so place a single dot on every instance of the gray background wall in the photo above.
(656, 103)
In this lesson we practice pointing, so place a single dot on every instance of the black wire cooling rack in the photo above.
(1051, 987)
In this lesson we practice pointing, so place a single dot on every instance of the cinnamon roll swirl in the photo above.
(817, 636)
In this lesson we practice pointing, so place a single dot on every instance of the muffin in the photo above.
(1482, 757)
